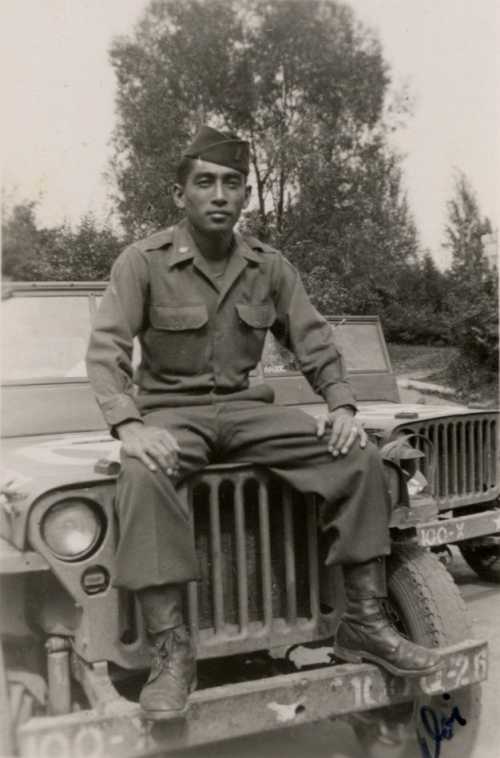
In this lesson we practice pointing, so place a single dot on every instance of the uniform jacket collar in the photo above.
(184, 248)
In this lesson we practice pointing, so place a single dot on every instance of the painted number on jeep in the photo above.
(364, 694)
(86, 742)
(462, 669)
(430, 536)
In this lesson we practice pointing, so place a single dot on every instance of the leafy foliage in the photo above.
(473, 289)
(57, 253)
(20, 238)
(419, 314)
(464, 232)
(358, 228)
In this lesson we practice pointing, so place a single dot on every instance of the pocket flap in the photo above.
(258, 316)
(177, 319)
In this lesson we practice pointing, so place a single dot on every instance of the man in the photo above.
(201, 298)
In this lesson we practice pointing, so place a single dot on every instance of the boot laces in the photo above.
(162, 652)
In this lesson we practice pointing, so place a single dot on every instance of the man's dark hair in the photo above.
(183, 170)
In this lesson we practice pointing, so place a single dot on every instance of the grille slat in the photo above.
(445, 460)
(290, 575)
(216, 549)
(487, 449)
(312, 539)
(463, 449)
(241, 558)
(454, 459)
(193, 616)
(490, 446)
(494, 453)
(471, 456)
(480, 455)
(265, 546)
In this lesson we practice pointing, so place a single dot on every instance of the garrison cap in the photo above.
(219, 147)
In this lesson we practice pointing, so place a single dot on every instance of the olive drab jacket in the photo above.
(200, 336)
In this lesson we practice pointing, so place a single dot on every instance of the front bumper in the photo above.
(457, 529)
(236, 710)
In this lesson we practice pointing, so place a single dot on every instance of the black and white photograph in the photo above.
(250, 450)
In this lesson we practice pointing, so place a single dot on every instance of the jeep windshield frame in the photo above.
(360, 339)
(37, 345)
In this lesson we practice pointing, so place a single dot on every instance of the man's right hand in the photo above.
(154, 446)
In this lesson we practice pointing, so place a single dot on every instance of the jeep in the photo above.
(264, 610)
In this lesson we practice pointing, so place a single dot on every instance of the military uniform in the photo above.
(200, 337)
(202, 329)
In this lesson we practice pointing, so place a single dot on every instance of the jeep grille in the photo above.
(257, 546)
(464, 451)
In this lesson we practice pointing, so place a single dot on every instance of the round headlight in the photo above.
(71, 529)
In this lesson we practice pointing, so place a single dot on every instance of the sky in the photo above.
(59, 89)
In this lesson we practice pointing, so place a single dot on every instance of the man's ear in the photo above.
(178, 195)
(248, 192)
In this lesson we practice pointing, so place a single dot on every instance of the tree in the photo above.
(473, 296)
(419, 313)
(20, 238)
(286, 75)
(307, 85)
(353, 217)
(433, 284)
(85, 253)
(464, 232)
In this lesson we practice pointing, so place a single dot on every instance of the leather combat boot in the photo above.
(365, 632)
(173, 666)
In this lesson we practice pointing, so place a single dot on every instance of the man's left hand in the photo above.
(345, 429)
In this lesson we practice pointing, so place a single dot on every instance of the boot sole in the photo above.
(362, 655)
(165, 715)
(151, 715)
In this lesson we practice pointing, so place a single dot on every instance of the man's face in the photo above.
(212, 197)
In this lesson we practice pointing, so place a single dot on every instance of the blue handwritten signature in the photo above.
(438, 726)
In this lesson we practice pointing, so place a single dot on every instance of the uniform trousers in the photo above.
(156, 543)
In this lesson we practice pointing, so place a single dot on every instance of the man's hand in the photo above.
(155, 447)
(345, 428)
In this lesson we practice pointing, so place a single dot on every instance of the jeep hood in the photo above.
(59, 460)
(44, 463)
(386, 416)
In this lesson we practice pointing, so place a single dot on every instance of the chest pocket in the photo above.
(253, 323)
(257, 316)
(177, 338)
(173, 319)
